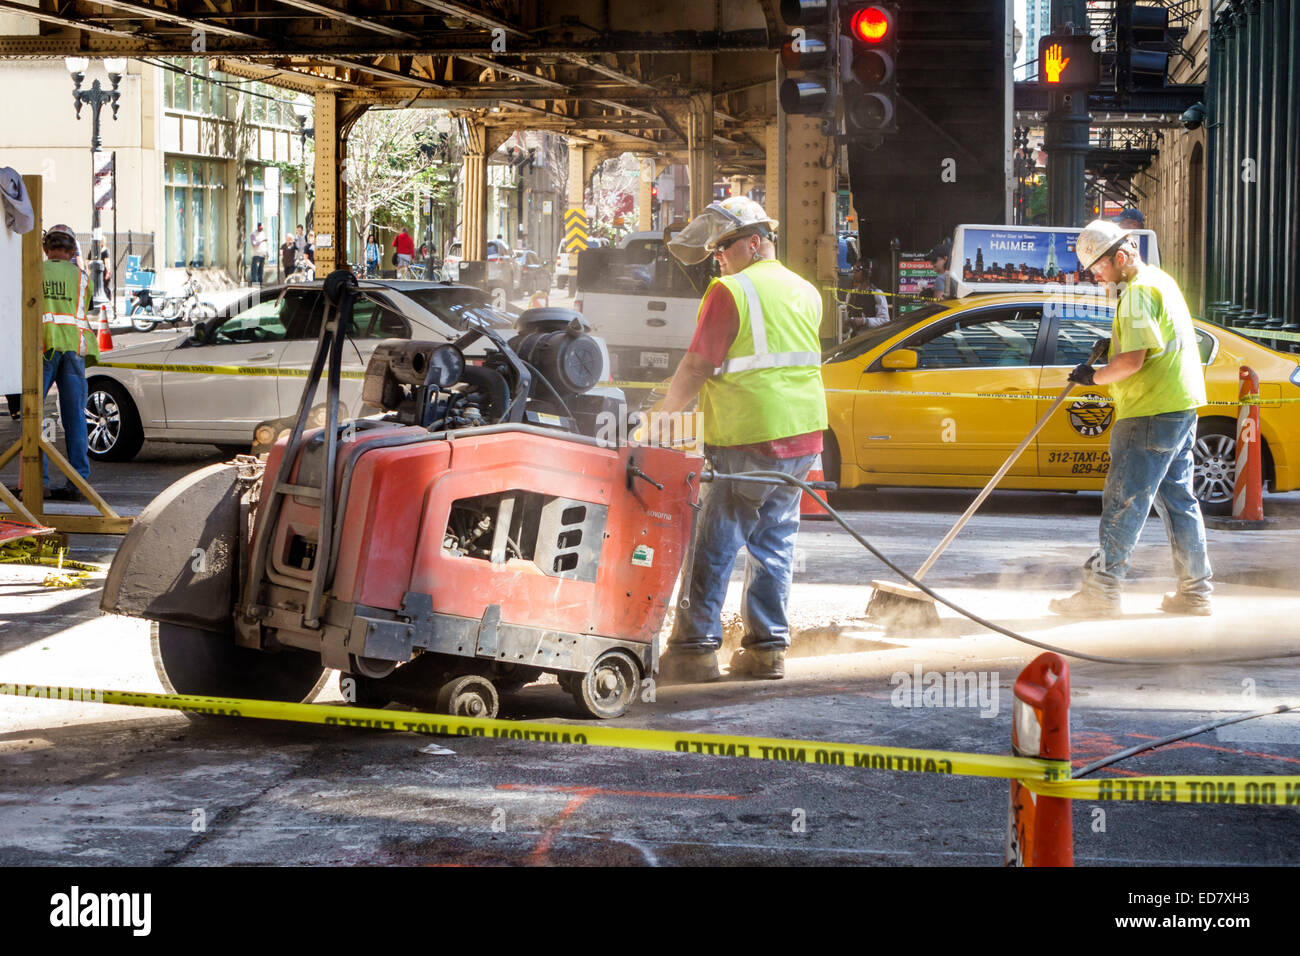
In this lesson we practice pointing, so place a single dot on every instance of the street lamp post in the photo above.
(97, 97)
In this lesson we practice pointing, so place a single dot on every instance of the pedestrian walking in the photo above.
(755, 364)
(404, 247)
(67, 341)
(373, 255)
(1157, 383)
(257, 245)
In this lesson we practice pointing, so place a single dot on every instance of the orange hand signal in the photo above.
(1054, 64)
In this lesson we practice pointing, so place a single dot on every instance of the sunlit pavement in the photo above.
(102, 784)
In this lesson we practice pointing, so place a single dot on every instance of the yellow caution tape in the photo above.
(1031, 396)
(43, 552)
(1265, 334)
(1263, 791)
(256, 371)
(1050, 778)
(639, 384)
(595, 735)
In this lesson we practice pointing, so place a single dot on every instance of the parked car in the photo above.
(533, 276)
(501, 270)
(233, 372)
(941, 396)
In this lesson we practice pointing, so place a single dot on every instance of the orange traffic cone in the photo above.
(105, 339)
(808, 507)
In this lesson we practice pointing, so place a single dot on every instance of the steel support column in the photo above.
(1277, 240)
(1289, 227)
(699, 131)
(474, 211)
(326, 218)
(1250, 167)
(809, 227)
(644, 199)
(772, 172)
(1233, 130)
(1212, 249)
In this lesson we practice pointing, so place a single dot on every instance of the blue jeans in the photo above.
(762, 518)
(1151, 463)
(69, 370)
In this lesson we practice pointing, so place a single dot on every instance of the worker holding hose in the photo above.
(1157, 383)
(755, 364)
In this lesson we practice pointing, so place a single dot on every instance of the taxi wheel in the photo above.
(112, 422)
(1214, 459)
(831, 457)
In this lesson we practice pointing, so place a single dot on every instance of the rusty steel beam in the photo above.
(419, 81)
(334, 13)
(462, 12)
(63, 21)
(146, 12)
(511, 71)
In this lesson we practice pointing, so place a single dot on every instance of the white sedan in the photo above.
(217, 384)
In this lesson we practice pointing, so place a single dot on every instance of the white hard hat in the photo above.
(59, 229)
(719, 220)
(1097, 239)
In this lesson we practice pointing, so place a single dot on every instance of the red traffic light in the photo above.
(871, 25)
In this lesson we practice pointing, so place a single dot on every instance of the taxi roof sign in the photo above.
(1068, 63)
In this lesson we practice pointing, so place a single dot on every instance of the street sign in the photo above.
(575, 229)
(1068, 63)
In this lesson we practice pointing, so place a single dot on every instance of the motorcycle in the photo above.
(142, 308)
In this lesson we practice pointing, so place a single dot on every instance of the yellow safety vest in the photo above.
(66, 327)
(770, 384)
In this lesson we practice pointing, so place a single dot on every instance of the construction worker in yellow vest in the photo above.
(755, 363)
(68, 342)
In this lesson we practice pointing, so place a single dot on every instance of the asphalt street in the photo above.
(93, 784)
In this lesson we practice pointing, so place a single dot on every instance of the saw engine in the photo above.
(471, 539)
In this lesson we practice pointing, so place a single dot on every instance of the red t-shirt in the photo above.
(716, 330)
(404, 245)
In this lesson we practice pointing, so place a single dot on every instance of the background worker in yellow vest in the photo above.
(68, 342)
(1157, 382)
(755, 363)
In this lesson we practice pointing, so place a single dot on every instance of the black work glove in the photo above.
(1082, 375)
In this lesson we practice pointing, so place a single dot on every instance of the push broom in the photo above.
(902, 605)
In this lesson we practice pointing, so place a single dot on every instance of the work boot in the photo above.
(758, 664)
(1085, 604)
(688, 667)
(63, 494)
(1180, 603)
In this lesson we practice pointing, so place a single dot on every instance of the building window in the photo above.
(190, 87)
(195, 203)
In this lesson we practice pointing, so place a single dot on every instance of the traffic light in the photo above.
(808, 52)
(1142, 44)
(871, 73)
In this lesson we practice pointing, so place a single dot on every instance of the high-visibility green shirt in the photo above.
(1153, 316)
(67, 306)
(770, 384)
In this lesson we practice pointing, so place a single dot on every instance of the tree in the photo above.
(396, 160)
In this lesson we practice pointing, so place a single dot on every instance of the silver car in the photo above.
(217, 384)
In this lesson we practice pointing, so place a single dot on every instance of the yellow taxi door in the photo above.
(966, 405)
(1074, 443)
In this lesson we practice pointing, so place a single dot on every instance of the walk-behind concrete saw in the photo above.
(470, 538)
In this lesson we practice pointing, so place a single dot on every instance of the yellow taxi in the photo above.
(941, 396)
